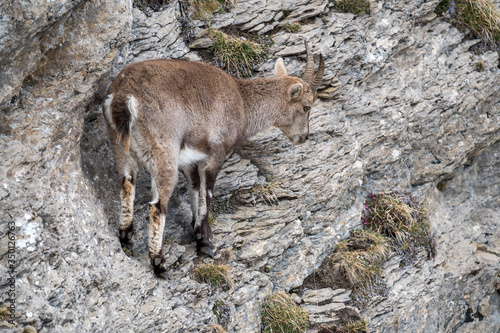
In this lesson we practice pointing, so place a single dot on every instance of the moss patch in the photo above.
(280, 313)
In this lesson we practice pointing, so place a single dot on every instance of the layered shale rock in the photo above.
(405, 108)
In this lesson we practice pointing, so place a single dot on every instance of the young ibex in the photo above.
(170, 115)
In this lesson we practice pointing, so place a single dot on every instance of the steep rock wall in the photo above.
(411, 110)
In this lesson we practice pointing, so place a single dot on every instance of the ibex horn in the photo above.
(318, 77)
(309, 70)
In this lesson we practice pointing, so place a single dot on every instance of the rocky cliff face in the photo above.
(410, 110)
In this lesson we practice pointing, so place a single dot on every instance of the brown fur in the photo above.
(159, 109)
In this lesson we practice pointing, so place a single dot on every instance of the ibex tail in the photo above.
(121, 114)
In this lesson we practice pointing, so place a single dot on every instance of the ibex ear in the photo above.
(279, 68)
(295, 91)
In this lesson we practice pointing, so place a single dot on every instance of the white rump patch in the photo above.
(188, 156)
(107, 110)
(132, 108)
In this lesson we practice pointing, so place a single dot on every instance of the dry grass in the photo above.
(213, 329)
(359, 326)
(292, 27)
(215, 275)
(266, 192)
(359, 257)
(481, 16)
(203, 9)
(237, 55)
(279, 313)
(4, 313)
(402, 219)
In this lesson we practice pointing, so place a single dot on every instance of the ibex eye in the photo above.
(307, 108)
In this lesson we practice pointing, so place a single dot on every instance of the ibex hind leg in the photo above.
(165, 179)
(128, 168)
(127, 194)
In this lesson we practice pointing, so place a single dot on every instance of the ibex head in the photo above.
(294, 120)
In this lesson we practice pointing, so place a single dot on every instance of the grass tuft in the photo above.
(356, 7)
(402, 219)
(359, 326)
(392, 222)
(215, 275)
(293, 27)
(267, 192)
(359, 257)
(204, 9)
(213, 329)
(280, 313)
(4, 313)
(480, 16)
(238, 55)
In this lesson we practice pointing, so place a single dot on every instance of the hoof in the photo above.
(126, 237)
(158, 265)
(208, 251)
(205, 247)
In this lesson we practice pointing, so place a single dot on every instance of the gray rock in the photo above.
(202, 43)
(410, 110)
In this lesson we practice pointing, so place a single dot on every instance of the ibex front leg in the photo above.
(202, 231)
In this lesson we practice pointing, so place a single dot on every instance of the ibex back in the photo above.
(170, 115)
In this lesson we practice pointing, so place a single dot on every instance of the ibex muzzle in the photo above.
(171, 115)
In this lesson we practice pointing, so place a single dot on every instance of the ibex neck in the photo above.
(264, 100)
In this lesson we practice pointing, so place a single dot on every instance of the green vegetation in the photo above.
(223, 313)
(480, 16)
(238, 55)
(292, 27)
(279, 313)
(357, 7)
(215, 275)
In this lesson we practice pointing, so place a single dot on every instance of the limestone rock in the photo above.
(410, 111)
